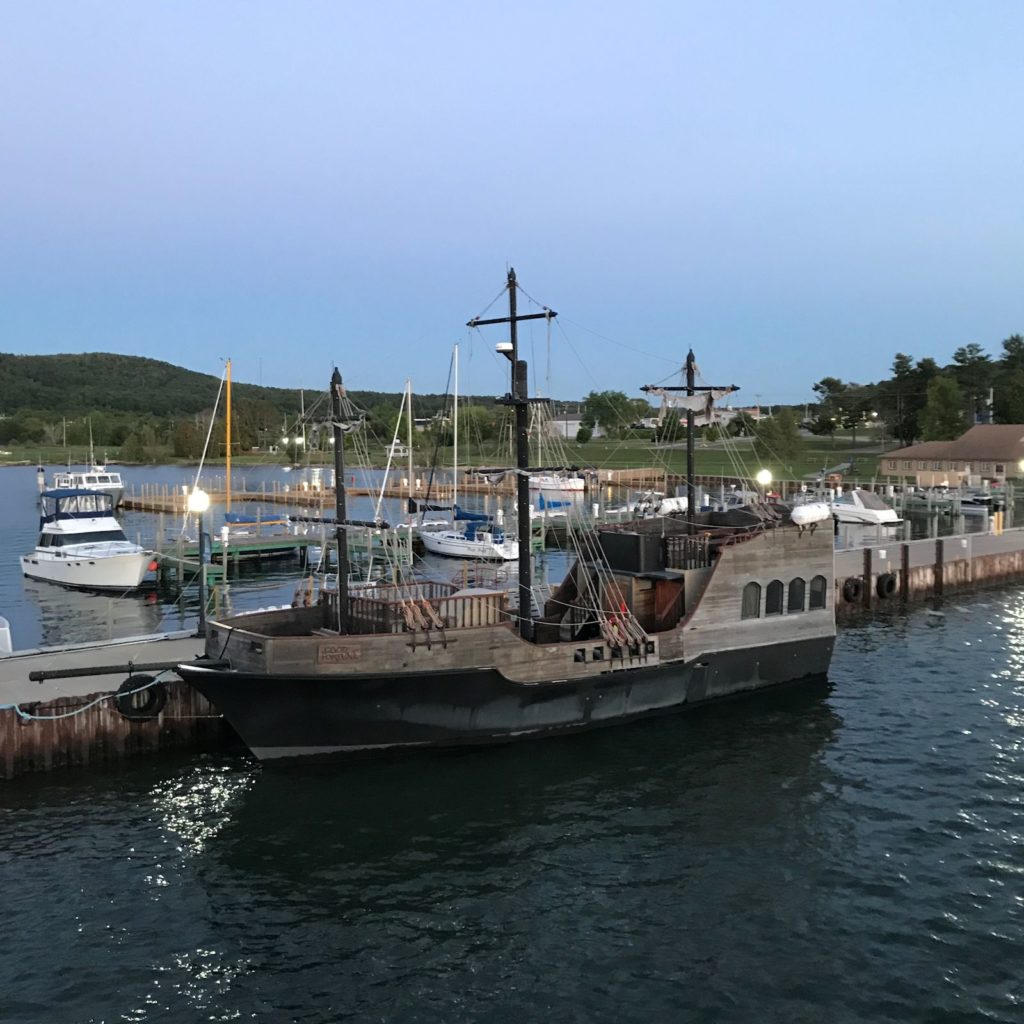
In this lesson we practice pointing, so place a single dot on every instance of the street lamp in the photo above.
(764, 478)
(198, 503)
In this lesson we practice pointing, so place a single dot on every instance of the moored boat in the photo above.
(864, 507)
(95, 478)
(82, 545)
(477, 540)
(654, 616)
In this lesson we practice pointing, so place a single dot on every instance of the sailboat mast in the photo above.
(227, 439)
(408, 426)
(339, 500)
(455, 436)
(691, 367)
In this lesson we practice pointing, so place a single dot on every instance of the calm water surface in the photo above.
(845, 852)
(848, 852)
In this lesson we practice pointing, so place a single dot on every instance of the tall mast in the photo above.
(227, 439)
(691, 490)
(455, 437)
(339, 500)
(691, 390)
(519, 399)
(408, 423)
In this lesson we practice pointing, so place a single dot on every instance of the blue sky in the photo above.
(794, 189)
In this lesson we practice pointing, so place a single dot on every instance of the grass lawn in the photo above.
(631, 453)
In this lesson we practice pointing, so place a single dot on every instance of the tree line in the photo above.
(922, 400)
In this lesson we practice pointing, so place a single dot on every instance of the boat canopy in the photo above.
(76, 503)
(871, 500)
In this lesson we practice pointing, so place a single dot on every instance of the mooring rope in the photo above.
(28, 716)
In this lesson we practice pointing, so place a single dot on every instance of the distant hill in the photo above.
(73, 385)
(76, 385)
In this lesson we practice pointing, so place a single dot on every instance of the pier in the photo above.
(174, 500)
(890, 573)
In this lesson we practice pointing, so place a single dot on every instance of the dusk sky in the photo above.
(793, 189)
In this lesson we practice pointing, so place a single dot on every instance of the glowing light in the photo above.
(198, 501)
(764, 477)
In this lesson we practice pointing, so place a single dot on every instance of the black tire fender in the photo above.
(140, 698)
(852, 589)
(885, 585)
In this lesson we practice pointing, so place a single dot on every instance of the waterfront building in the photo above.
(988, 452)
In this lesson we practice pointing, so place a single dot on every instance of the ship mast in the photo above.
(227, 439)
(519, 399)
(691, 390)
(339, 500)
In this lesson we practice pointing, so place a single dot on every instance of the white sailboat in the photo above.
(555, 482)
(480, 539)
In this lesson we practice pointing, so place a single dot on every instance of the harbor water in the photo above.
(850, 851)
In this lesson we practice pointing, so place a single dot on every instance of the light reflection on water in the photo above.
(846, 852)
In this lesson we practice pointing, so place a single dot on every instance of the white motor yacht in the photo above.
(95, 478)
(82, 545)
(859, 506)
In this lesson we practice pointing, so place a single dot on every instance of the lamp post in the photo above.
(764, 478)
(198, 503)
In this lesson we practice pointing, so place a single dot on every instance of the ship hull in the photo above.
(323, 716)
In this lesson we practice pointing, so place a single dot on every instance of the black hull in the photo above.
(325, 715)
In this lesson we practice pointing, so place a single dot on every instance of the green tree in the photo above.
(777, 438)
(1009, 398)
(613, 411)
(742, 425)
(942, 418)
(1013, 354)
(584, 433)
(187, 441)
(973, 371)
(141, 445)
(831, 392)
(823, 424)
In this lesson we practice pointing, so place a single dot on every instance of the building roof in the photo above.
(987, 442)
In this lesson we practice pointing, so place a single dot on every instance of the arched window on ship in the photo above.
(773, 598)
(796, 595)
(751, 601)
(818, 592)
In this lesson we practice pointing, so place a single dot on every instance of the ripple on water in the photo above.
(850, 852)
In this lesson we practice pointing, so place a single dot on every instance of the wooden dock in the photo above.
(174, 500)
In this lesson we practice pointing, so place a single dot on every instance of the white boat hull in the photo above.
(865, 516)
(98, 572)
(557, 483)
(455, 545)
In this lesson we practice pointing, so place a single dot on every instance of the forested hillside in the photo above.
(72, 385)
(151, 408)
